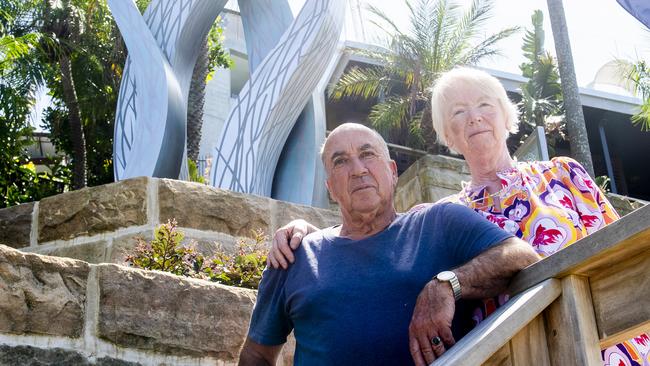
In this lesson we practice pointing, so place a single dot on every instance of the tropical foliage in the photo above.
(541, 103)
(441, 35)
(19, 181)
(639, 73)
(72, 49)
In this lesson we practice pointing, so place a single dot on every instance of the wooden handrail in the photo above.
(620, 240)
(495, 331)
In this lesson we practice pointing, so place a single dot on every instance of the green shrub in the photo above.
(165, 253)
(195, 175)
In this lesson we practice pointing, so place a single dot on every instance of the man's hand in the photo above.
(285, 241)
(431, 322)
(486, 275)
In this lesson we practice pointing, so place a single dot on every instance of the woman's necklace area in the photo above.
(467, 196)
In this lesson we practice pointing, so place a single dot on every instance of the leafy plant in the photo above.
(541, 103)
(639, 74)
(245, 267)
(195, 175)
(165, 253)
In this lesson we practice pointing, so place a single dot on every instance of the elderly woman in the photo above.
(550, 204)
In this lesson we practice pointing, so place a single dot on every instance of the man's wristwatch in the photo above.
(449, 276)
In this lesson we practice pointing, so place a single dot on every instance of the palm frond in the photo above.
(415, 130)
(466, 28)
(383, 17)
(389, 114)
(546, 79)
(359, 82)
(642, 118)
(487, 48)
(533, 46)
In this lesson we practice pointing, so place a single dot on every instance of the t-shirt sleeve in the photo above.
(470, 233)
(270, 323)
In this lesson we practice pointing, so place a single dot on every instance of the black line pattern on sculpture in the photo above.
(269, 104)
(166, 30)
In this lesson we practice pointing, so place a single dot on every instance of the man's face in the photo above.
(360, 177)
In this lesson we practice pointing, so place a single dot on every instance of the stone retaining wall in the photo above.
(59, 311)
(429, 179)
(99, 224)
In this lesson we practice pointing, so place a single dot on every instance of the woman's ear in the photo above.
(448, 141)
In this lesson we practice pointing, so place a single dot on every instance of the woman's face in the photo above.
(475, 122)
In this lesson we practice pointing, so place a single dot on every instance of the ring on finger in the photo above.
(436, 341)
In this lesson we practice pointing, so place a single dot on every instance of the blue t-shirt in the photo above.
(350, 302)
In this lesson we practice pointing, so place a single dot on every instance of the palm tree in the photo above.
(211, 56)
(541, 103)
(62, 22)
(441, 35)
(55, 25)
(196, 101)
(575, 118)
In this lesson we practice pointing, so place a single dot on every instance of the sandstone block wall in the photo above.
(98, 224)
(429, 179)
(59, 311)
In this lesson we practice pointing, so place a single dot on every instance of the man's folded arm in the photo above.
(255, 354)
(489, 273)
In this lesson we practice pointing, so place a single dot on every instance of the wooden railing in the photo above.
(589, 296)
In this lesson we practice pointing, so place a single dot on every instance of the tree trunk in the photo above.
(575, 118)
(196, 100)
(76, 129)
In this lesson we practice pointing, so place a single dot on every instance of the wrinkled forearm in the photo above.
(489, 273)
(254, 354)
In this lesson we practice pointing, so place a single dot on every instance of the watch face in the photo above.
(446, 275)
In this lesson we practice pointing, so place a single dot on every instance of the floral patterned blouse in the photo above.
(551, 205)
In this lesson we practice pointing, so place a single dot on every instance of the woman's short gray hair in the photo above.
(485, 82)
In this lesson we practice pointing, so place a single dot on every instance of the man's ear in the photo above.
(327, 185)
(393, 169)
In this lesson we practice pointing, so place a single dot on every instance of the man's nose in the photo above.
(358, 167)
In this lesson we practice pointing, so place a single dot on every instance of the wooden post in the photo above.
(529, 346)
(571, 325)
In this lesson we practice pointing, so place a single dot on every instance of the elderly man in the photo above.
(353, 289)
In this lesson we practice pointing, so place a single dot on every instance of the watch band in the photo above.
(449, 276)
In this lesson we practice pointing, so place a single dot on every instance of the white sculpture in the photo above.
(151, 114)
